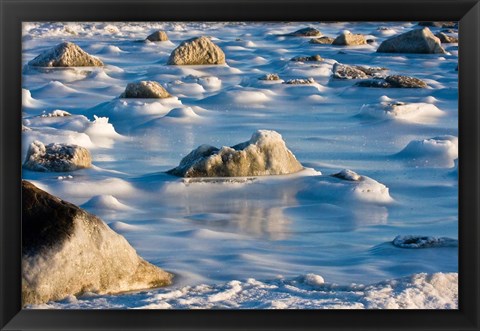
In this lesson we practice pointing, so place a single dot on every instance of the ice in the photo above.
(398, 146)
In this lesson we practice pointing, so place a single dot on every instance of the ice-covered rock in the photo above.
(437, 152)
(67, 251)
(305, 32)
(270, 77)
(414, 241)
(56, 113)
(145, 89)
(394, 81)
(299, 81)
(158, 36)
(348, 174)
(264, 154)
(349, 39)
(402, 110)
(66, 54)
(324, 40)
(445, 38)
(414, 41)
(56, 157)
(197, 51)
(315, 57)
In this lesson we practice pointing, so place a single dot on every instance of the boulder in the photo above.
(394, 81)
(197, 51)
(349, 39)
(145, 89)
(65, 55)
(264, 154)
(313, 58)
(56, 157)
(322, 40)
(67, 251)
(343, 71)
(158, 36)
(445, 38)
(414, 41)
(349, 175)
(305, 32)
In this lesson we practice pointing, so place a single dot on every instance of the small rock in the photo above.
(145, 89)
(343, 71)
(350, 39)
(322, 40)
(414, 41)
(305, 32)
(56, 113)
(158, 36)
(56, 157)
(349, 175)
(197, 51)
(405, 81)
(299, 81)
(65, 55)
(270, 77)
(315, 57)
(444, 38)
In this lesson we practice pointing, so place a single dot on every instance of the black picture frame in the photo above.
(14, 12)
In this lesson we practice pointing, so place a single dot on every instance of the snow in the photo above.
(401, 143)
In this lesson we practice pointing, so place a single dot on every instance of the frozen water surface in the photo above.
(290, 241)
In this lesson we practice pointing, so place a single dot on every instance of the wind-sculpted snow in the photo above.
(419, 291)
(436, 152)
(415, 241)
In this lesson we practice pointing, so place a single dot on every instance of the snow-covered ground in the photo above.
(305, 240)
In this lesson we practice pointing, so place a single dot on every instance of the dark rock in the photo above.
(444, 38)
(439, 24)
(305, 32)
(315, 57)
(405, 81)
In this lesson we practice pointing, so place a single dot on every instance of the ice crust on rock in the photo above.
(264, 154)
(66, 54)
(348, 174)
(56, 113)
(197, 51)
(414, 41)
(104, 262)
(56, 157)
(416, 241)
(145, 89)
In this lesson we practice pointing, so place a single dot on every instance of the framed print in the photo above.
(242, 165)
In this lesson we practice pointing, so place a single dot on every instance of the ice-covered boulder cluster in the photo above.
(264, 154)
(66, 54)
(67, 251)
(56, 157)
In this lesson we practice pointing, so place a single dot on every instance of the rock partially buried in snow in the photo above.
(413, 241)
(439, 24)
(56, 157)
(445, 38)
(401, 110)
(300, 81)
(347, 174)
(158, 36)
(305, 32)
(315, 57)
(343, 71)
(437, 152)
(349, 39)
(56, 113)
(67, 251)
(414, 41)
(197, 51)
(145, 89)
(322, 40)
(65, 55)
(270, 77)
(394, 81)
(264, 154)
